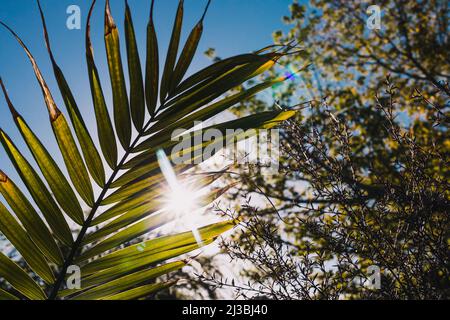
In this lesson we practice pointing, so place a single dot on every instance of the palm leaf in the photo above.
(130, 202)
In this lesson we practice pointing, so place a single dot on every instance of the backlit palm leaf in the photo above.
(130, 201)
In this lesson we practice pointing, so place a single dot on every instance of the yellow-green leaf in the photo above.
(172, 53)
(72, 159)
(139, 292)
(38, 191)
(19, 238)
(152, 66)
(19, 279)
(90, 153)
(105, 129)
(137, 99)
(119, 91)
(30, 219)
(4, 296)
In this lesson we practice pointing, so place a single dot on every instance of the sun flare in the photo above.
(181, 198)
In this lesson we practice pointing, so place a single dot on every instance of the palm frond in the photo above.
(130, 202)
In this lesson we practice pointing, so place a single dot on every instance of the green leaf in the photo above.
(106, 134)
(142, 227)
(76, 168)
(211, 110)
(206, 93)
(152, 66)
(157, 245)
(136, 172)
(186, 55)
(140, 291)
(72, 159)
(129, 281)
(121, 207)
(153, 203)
(131, 189)
(38, 191)
(90, 153)
(263, 120)
(120, 98)
(215, 70)
(22, 242)
(136, 262)
(30, 219)
(137, 99)
(172, 53)
(56, 180)
(131, 216)
(4, 296)
(19, 279)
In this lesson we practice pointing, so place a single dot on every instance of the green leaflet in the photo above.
(56, 180)
(140, 291)
(105, 129)
(72, 159)
(136, 172)
(4, 295)
(142, 227)
(38, 191)
(154, 203)
(124, 220)
(211, 110)
(157, 245)
(172, 53)
(62, 126)
(152, 66)
(214, 71)
(90, 153)
(30, 219)
(143, 156)
(19, 279)
(121, 207)
(196, 98)
(131, 189)
(120, 98)
(186, 56)
(128, 281)
(136, 262)
(22, 242)
(263, 120)
(137, 99)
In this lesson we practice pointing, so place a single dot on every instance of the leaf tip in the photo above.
(109, 21)
(151, 10)
(205, 11)
(3, 177)
(8, 100)
(46, 36)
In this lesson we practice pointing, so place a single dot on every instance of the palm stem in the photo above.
(77, 244)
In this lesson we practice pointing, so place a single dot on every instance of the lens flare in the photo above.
(181, 200)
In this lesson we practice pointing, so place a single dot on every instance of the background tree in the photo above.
(364, 175)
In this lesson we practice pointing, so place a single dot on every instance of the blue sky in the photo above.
(231, 27)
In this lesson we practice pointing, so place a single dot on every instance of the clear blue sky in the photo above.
(231, 27)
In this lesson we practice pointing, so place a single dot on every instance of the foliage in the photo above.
(364, 178)
(114, 264)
